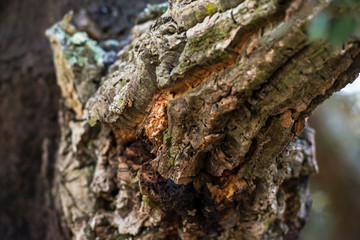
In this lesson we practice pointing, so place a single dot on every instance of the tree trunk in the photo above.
(196, 131)
(190, 133)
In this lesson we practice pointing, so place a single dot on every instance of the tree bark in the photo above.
(196, 131)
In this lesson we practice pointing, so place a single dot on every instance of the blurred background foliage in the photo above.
(337, 23)
(335, 191)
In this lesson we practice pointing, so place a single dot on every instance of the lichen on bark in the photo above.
(78, 62)
(197, 128)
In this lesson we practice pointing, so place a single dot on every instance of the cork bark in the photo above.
(197, 130)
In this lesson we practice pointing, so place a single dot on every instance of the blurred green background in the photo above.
(335, 191)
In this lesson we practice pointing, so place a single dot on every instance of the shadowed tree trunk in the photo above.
(194, 130)
(29, 96)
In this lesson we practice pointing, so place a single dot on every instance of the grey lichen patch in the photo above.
(152, 11)
(79, 38)
(120, 100)
(78, 63)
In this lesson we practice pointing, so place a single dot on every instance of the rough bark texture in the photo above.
(190, 133)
